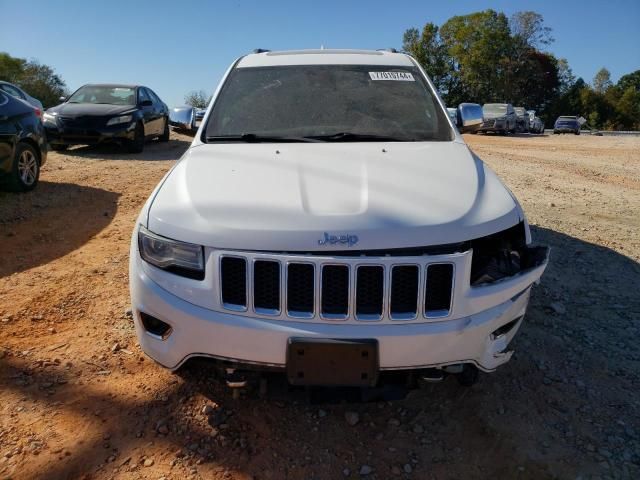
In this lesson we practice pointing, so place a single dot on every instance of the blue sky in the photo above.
(174, 47)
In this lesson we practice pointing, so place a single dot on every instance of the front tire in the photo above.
(165, 134)
(26, 169)
(137, 144)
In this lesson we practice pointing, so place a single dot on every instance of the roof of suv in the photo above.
(112, 85)
(326, 57)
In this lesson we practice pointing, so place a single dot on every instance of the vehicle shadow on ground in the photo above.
(441, 431)
(528, 135)
(49, 222)
(153, 150)
(515, 135)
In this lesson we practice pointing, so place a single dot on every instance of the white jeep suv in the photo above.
(329, 221)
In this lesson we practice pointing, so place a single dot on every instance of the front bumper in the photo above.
(89, 136)
(198, 331)
(564, 130)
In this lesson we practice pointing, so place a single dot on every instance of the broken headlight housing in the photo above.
(502, 255)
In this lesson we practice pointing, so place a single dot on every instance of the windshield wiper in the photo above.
(358, 137)
(256, 138)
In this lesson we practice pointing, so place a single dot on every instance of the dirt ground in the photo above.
(78, 399)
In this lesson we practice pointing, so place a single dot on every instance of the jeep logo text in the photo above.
(349, 240)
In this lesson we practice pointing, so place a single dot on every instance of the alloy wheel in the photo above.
(28, 167)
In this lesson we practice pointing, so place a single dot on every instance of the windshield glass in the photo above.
(328, 100)
(566, 118)
(494, 108)
(102, 94)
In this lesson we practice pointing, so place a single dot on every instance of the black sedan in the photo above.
(128, 114)
(22, 144)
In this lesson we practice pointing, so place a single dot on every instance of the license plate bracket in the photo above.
(332, 362)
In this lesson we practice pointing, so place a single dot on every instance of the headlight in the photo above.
(504, 254)
(49, 118)
(119, 120)
(185, 259)
(498, 256)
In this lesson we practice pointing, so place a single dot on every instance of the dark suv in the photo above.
(567, 125)
(22, 144)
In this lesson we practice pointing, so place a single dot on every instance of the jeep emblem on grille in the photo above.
(349, 240)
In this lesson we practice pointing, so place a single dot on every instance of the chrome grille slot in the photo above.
(266, 287)
(233, 278)
(369, 292)
(300, 290)
(403, 304)
(335, 292)
(438, 289)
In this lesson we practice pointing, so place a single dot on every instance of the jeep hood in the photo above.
(285, 197)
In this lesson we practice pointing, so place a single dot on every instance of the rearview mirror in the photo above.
(469, 117)
(146, 103)
(63, 99)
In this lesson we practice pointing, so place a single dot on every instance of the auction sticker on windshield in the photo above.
(397, 76)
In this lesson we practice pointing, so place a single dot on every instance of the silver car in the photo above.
(536, 125)
(17, 92)
(498, 117)
(186, 117)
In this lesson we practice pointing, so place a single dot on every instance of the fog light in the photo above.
(155, 327)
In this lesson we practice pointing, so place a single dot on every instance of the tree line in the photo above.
(480, 57)
(38, 80)
(487, 57)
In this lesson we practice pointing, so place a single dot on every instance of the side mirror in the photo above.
(469, 117)
(146, 103)
(63, 99)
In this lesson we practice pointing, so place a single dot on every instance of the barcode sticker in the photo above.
(396, 76)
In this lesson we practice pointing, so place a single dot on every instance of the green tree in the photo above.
(602, 80)
(566, 78)
(628, 109)
(197, 99)
(11, 68)
(427, 48)
(629, 80)
(479, 44)
(38, 80)
(43, 83)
